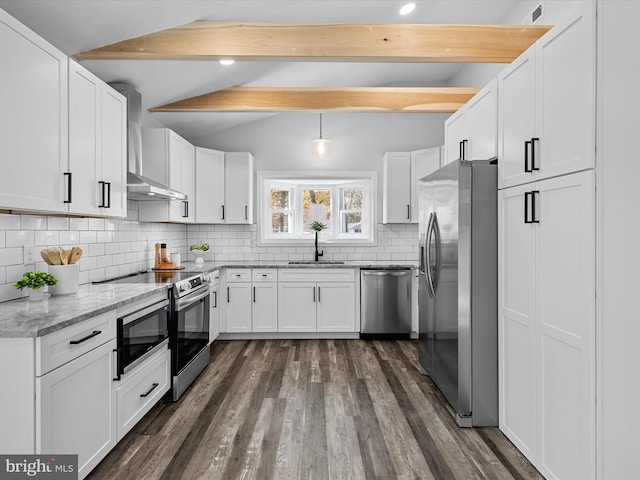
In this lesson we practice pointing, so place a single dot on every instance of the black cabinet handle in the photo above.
(155, 385)
(460, 152)
(314, 294)
(246, 213)
(185, 209)
(254, 294)
(464, 149)
(95, 333)
(527, 146)
(408, 212)
(534, 218)
(215, 299)
(69, 176)
(318, 294)
(101, 187)
(117, 352)
(108, 185)
(533, 153)
(222, 212)
(264, 275)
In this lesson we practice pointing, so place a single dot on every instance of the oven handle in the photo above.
(164, 304)
(187, 302)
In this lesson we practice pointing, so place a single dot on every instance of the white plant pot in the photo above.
(68, 279)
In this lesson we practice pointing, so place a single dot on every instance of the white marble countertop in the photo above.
(211, 266)
(23, 318)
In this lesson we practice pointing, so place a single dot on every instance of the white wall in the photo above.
(618, 231)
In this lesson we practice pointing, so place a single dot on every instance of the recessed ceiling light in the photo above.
(227, 61)
(407, 9)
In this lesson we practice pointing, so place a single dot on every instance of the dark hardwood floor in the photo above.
(311, 409)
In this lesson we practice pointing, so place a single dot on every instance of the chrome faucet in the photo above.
(318, 254)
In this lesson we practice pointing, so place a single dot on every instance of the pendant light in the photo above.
(321, 147)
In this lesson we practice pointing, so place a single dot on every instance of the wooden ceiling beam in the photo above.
(327, 42)
(374, 99)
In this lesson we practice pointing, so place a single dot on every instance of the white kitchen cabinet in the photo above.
(297, 307)
(472, 132)
(141, 389)
(547, 323)
(396, 188)
(401, 173)
(264, 311)
(34, 120)
(238, 307)
(76, 410)
(224, 187)
(209, 185)
(169, 159)
(316, 300)
(214, 315)
(547, 105)
(423, 163)
(97, 169)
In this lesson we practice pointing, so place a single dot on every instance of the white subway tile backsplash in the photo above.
(57, 223)
(9, 222)
(87, 236)
(33, 222)
(79, 223)
(96, 249)
(19, 238)
(96, 224)
(69, 237)
(11, 256)
(46, 237)
(111, 248)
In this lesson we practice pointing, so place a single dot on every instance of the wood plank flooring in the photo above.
(311, 409)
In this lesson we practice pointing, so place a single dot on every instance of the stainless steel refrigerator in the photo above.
(458, 288)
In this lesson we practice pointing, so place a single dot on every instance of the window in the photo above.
(344, 203)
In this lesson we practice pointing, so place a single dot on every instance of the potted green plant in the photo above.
(34, 281)
(317, 226)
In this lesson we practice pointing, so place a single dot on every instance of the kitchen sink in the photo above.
(311, 262)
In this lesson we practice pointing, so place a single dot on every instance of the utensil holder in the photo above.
(68, 276)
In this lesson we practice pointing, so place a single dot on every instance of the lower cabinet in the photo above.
(142, 389)
(76, 408)
(238, 308)
(214, 315)
(264, 311)
(327, 304)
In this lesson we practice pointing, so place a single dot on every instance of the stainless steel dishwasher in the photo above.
(385, 302)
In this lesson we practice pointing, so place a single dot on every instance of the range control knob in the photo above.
(206, 277)
(184, 287)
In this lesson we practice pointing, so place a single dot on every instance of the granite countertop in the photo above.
(211, 266)
(23, 318)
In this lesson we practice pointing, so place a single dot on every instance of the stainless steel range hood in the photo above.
(140, 187)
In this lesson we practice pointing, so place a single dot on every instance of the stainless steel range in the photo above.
(188, 323)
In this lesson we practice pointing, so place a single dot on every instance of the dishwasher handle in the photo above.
(386, 273)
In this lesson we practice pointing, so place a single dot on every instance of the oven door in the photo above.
(190, 329)
(141, 332)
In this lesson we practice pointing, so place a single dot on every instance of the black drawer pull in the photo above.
(91, 335)
(155, 385)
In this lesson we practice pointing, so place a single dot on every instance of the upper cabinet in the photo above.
(169, 159)
(546, 105)
(401, 173)
(97, 168)
(33, 123)
(472, 132)
(224, 187)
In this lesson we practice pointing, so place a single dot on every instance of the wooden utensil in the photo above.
(63, 256)
(52, 255)
(74, 256)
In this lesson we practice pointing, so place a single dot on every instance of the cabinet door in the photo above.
(423, 163)
(76, 411)
(516, 119)
(396, 191)
(336, 307)
(265, 307)
(455, 131)
(209, 185)
(565, 71)
(214, 315)
(177, 209)
(34, 120)
(188, 180)
(238, 308)
(238, 188)
(566, 317)
(114, 152)
(516, 322)
(84, 139)
(297, 307)
(482, 124)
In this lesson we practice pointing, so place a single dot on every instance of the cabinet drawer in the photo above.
(64, 345)
(233, 275)
(141, 389)
(316, 275)
(261, 275)
(215, 278)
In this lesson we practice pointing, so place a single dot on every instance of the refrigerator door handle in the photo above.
(427, 251)
(435, 226)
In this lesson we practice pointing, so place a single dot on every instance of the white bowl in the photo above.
(199, 254)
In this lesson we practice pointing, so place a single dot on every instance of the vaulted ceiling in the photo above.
(76, 26)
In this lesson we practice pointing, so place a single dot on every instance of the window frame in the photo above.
(295, 182)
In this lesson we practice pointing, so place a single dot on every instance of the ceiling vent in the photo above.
(534, 15)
